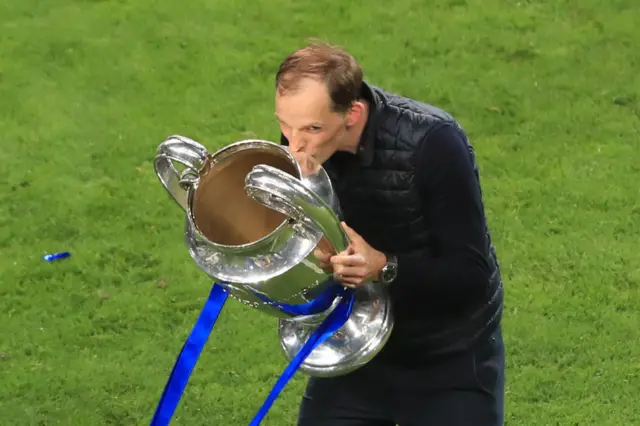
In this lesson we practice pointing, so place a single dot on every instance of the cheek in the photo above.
(317, 141)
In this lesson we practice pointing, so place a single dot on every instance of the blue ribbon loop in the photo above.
(192, 348)
(315, 306)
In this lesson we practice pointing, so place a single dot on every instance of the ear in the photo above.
(355, 113)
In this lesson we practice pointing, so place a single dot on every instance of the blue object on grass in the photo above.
(56, 256)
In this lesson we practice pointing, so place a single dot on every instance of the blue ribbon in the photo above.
(330, 325)
(189, 356)
(202, 329)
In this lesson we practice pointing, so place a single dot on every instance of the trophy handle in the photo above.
(284, 193)
(187, 152)
(371, 320)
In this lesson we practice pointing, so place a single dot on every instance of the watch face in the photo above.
(389, 271)
(385, 276)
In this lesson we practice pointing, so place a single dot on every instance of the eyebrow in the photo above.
(315, 123)
(280, 119)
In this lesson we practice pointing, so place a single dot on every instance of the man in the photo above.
(405, 175)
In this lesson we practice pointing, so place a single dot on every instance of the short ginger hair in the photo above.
(332, 65)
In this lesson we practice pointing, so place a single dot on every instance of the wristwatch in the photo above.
(390, 270)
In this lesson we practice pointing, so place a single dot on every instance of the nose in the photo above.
(296, 141)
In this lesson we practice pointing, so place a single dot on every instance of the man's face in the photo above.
(308, 123)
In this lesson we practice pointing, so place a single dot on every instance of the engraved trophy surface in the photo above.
(252, 221)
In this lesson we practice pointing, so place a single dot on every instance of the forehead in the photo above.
(309, 102)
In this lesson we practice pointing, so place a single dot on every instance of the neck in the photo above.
(352, 140)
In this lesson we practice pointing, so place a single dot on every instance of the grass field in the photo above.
(549, 92)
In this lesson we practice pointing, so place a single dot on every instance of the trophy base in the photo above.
(352, 346)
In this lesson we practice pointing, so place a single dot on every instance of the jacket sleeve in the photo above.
(454, 267)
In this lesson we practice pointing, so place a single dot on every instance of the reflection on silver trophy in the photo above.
(253, 220)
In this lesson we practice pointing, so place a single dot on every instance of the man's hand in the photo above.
(358, 264)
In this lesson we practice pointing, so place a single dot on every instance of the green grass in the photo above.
(549, 92)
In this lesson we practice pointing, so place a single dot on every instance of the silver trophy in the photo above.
(253, 220)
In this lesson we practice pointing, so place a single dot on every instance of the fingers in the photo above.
(348, 272)
(324, 259)
(321, 255)
(344, 260)
(351, 282)
(349, 269)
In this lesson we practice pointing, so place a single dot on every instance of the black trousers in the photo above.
(466, 390)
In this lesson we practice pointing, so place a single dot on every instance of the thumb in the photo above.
(353, 235)
(348, 251)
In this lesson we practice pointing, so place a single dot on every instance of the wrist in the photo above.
(381, 262)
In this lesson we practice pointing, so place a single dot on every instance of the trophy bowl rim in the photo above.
(222, 154)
